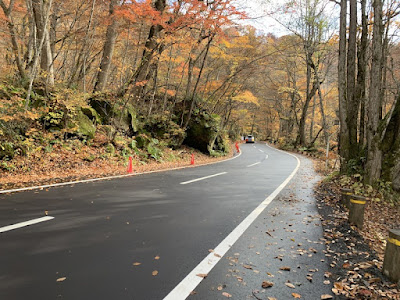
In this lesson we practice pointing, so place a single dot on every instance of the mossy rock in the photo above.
(103, 106)
(86, 128)
(111, 112)
(119, 142)
(132, 118)
(91, 114)
(203, 132)
(142, 141)
(7, 150)
(221, 145)
(162, 127)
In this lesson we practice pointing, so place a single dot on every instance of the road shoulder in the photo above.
(282, 249)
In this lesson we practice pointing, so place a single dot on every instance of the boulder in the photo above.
(204, 134)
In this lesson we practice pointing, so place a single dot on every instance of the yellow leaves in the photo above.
(31, 115)
(7, 118)
(296, 296)
(247, 97)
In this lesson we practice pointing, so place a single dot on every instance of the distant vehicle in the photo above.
(250, 139)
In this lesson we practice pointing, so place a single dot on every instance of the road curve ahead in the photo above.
(130, 238)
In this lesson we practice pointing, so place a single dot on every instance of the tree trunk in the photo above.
(362, 69)
(391, 147)
(344, 133)
(193, 99)
(352, 101)
(301, 138)
(108, 49)
(39, 47)
(374, 158)
(312, 120)
(39, 8)
(150, 48)
(13, 35)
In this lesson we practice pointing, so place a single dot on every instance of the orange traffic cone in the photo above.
(192, 160)
(130, 167)
(237, 147)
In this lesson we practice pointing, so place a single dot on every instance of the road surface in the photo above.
(164, 222)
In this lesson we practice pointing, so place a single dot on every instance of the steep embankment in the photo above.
(68, 136)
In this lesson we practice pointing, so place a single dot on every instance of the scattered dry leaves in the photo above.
(267, 284)
(227, 295)
(61, 279)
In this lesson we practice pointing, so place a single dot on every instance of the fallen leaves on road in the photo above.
(154, 273)
(296, 296)
(157, 257)
(137, 263)
(202, 275)
(288, 284)
(227, 295)
(61, 279)
(267, 284)
(248, 267)
(285, 268)
(326, 297)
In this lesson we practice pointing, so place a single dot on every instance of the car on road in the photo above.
(250, 139)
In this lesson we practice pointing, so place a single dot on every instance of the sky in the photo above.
(260, 17)
(258, 13)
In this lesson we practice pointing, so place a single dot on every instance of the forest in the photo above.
(136, 77)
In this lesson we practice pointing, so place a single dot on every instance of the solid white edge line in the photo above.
(26, 223)
(202, 178)
(110, 177)
(191, 281)
(257, 163)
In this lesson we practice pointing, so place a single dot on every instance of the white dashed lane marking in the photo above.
(26, 223)
(252, 165)
(202, 178)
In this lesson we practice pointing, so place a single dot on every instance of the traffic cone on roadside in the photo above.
(237, 147)
(192, 160)
(130, 167)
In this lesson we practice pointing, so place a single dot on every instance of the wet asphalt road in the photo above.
(284, 245)
(100, 229)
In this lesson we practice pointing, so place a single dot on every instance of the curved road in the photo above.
(165, 221)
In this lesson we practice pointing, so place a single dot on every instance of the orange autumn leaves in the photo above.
(153, 273)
